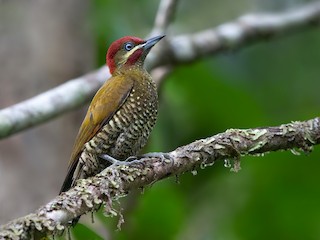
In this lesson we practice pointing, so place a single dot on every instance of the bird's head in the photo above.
(129, 51)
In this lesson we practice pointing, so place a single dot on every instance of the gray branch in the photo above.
(116, 181)
(52, 103)
(246, 30)
(180, 49)
(164, 16)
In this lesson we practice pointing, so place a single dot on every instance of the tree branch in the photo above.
(181, 49)
(116, 181)
(52, 103)
(164, 17)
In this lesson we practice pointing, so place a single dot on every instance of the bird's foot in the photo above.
(132, 159)
(165, 157)
(111, 160)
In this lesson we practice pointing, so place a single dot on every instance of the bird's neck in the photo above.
(130, 69)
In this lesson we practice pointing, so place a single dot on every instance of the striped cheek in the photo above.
(134, 57)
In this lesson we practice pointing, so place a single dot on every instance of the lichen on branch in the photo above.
(117, 180)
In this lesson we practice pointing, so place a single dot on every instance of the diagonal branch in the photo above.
(164, 16)
(115, 181)
(52, 103)
(244, 31)
(180, 49)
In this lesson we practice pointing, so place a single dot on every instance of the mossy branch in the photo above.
(116, 181)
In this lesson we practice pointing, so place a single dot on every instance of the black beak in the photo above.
(152, 41)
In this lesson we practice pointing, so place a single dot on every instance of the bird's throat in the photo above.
(135, 58)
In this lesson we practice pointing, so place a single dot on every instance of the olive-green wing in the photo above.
(104, 105)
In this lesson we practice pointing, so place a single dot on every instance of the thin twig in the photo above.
(164, 17)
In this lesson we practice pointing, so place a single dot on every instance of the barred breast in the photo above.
(126, 132)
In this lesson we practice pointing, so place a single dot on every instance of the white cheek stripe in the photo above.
(128, 54)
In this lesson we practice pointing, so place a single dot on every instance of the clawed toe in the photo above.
(163, 156)
(110, 159)
(131, 159)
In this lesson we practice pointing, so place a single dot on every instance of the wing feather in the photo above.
(107, 101)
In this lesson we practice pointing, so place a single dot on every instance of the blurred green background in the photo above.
(270, 83)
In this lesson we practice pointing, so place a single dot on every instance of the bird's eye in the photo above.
(128, 46)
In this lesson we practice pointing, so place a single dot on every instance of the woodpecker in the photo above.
(121, 115)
